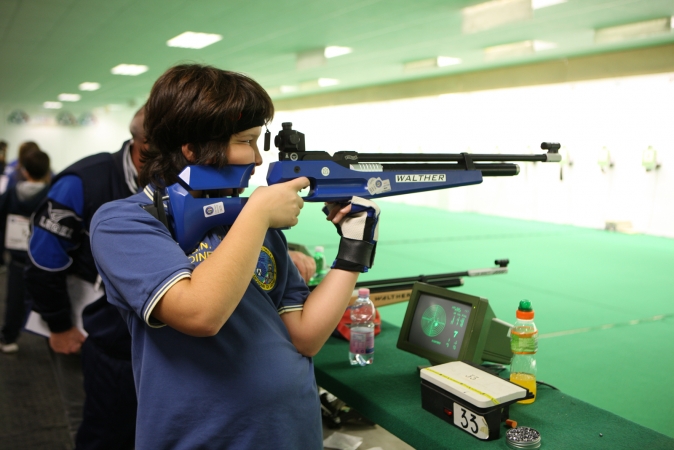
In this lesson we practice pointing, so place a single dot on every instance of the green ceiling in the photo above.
(49, 47)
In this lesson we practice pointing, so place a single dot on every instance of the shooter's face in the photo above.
(242, 148)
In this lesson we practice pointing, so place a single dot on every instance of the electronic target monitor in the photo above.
(443, 326)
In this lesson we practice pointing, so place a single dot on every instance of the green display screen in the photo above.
(439, 325)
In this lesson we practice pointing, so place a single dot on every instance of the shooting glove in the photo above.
(360, 232)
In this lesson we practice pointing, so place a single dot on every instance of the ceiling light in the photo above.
(70, 97)
(540, 46)
(190, 39)
(430, 63)
(420, 64)
(287, 89)
(444, 61)
(517, 49)
(129, 69)
(325, 82)
(89, 86)
(633, 30)
(333, 51)
(538, 4)
(318, 57)
(485, 16)
(52, 105)
(319, 83)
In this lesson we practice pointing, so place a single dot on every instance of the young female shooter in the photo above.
(223, 337)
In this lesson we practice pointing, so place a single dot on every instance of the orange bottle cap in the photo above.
(525, 315)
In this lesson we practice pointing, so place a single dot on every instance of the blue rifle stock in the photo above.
(332, 179)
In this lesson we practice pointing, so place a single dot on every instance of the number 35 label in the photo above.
(470, 422)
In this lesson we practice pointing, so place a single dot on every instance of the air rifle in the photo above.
(333, 178)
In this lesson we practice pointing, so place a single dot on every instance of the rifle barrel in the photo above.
(488, 170)
(445, 157)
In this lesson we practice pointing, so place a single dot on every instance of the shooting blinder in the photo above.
(267, 139)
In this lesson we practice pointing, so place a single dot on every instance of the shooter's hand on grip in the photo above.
(358, 224)
(281, 203)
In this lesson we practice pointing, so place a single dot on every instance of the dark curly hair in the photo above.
(199, 105)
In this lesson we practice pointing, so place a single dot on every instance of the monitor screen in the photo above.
(442, 325)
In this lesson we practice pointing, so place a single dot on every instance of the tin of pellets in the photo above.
(523, 437)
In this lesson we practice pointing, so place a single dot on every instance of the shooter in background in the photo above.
(3, 156)
(59, 249)
(13, 169)
(16, 206)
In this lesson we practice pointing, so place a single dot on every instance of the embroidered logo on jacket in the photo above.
(56, 219)
(202, 252)
(265, 272)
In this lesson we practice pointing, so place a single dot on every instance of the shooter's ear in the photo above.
(188, 153)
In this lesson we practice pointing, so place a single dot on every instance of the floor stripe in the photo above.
(605, 327)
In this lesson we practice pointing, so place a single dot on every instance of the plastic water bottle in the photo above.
(321, 268)
(361, 344)
(524, 345)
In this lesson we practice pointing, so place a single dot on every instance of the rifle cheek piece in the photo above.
(354, 255)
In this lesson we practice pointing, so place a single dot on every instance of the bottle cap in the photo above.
(319, 248)
(525, 311)
(363, 292)
(525, 305)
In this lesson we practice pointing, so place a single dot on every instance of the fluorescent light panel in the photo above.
(191, 39)
(488, 15)
(540, 46)
(444, 61)
(89, 86)
(325, 82)
(333, 51)
(634, 30)
(286, 89)
(69, 97)
(517, 49)
(538, 4)
(430, 63)
(318, 83)
(129, 69)
(52, 105)
(318, 57)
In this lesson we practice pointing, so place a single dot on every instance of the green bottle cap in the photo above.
(525, 305)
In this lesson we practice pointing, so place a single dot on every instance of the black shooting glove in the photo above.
(360, 232)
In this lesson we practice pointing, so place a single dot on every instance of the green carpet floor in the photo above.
(604, 301)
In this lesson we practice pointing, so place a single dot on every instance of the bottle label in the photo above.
(362, 341)
(524, 343)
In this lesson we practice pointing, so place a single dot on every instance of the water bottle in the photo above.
(361, 343)
(321, 268)
(524, 344)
